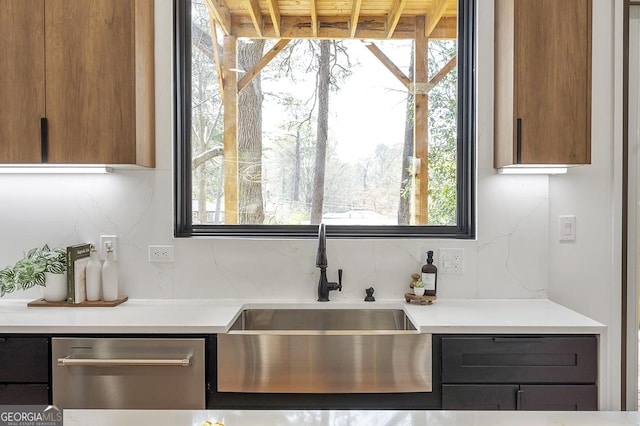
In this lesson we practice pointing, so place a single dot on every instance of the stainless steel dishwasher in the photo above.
(128, 373)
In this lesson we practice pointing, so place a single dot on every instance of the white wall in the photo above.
(512, 257)
(585, 275)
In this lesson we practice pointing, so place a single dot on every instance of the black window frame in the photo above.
(465, 186)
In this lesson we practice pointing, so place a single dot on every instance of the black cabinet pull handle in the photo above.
(44, 140)
(518, 399)
(519, 141)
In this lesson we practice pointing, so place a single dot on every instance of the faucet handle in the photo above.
(340, 279)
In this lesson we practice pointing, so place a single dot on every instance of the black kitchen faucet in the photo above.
(324, 286)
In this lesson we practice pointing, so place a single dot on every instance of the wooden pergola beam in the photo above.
(394, 16)
(355, 16)
(216, 53)
(446, 69)
(256, 16)
(253, 72)
(222, 15)
(384, 59)
(274, 12)
(434, 16)
(421, 122)
(230, 120)
(337, 28)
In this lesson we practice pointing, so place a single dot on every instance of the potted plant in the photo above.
(40, 266)
(418, 288)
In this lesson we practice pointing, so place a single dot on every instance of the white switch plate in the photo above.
(160, 254)
(104, 240)
(451, 261)
(567, 230)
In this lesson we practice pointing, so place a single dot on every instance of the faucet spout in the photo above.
(324, 286)
(321, 257)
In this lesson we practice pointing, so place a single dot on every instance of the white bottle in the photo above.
(109, 277)
(94, 276)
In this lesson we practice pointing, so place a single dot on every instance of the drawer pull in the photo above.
(119, 362)
(519, 339)
(518, 399)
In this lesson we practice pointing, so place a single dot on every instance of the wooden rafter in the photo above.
(338, 28)
(274, 12)
(314, 17)
(256, 16)
(384, 59)
(394, 16)
(355, 16)
(222, 15)
(253, 72)
(434, 16)
(334, 19)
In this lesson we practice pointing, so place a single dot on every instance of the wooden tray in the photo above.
(424, 300)
(85, 304)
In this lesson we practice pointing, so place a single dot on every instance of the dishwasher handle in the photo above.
(119, 362)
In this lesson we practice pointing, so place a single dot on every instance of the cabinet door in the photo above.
(479, 397)
(553, 81)
(558, 398)
(24, 394)
(519, 359)
(21, 80)
(24, 360)
(98, 81)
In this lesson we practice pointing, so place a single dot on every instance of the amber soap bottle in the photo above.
(430, 276)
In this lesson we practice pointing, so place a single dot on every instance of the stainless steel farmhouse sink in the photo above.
(322, 320)
(323, 351)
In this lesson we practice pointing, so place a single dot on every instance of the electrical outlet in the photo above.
(106, 240)
(451, 261)
(160, 254)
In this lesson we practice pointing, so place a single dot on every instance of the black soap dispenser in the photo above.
(430, 276)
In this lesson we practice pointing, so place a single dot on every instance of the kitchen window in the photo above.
(360, 119)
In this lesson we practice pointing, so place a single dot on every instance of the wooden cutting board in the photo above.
(86, 304)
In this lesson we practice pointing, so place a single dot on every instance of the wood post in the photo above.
(421, 122)
(230, 139)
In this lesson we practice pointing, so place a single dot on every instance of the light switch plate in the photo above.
(108, 239)
(567, 229)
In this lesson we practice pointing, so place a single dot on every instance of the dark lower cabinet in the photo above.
(24, 394)
(523, 397)
(24, 370)
(558, 398)
(533, 372)
(479, 397)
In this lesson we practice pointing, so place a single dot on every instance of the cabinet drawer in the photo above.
(524, 397)
(24, 360)
(517, 360)
(24, 394)
(479, 397)
(558, 398)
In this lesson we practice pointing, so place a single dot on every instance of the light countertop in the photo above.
(346, 418)
(444, 316)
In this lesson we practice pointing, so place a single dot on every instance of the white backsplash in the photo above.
(508, 260)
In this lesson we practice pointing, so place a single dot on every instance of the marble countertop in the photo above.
(345, 418)
(445, 316)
